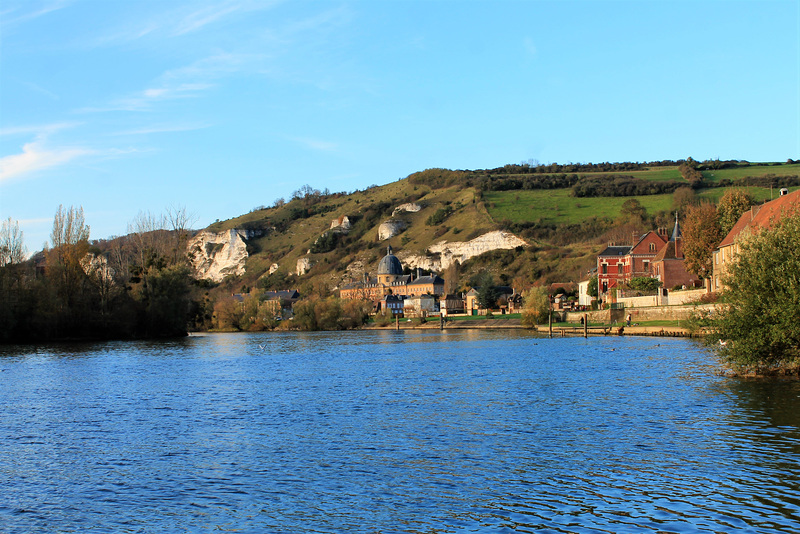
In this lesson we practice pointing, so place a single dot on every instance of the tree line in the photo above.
(129, 287)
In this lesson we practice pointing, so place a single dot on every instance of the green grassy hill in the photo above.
(565, 231)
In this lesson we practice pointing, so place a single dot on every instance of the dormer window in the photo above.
(652, 247)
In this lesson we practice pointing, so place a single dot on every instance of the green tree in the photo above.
(167, 304)
(593, 289)
(731, 206)
(535, 306)
(758, 322)
(644, 283)
(682, 198)
(633, 212)
(487, 294)
(701, 235)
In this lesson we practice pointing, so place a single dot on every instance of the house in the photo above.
(420, 306)
(753, 220)
(452, 304)
(669, 266)
(584, 298)
(393, 303)
(515, 302)
(390, 280)
(471, 302)
(617, 265)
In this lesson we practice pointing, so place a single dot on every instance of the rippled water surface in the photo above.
(390, 431)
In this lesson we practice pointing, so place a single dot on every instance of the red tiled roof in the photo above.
(763, 216)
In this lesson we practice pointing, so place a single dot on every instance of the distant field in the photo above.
(656, 174)
(558, 206)
(759, 193)
(741, 172)
(666, 174)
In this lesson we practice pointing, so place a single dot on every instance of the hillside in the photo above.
(565, 213)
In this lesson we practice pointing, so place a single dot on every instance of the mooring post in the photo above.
(441, 322)
(397, 322)
(585, 325)
(550, 323)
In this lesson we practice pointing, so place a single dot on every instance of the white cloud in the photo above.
(35, 157)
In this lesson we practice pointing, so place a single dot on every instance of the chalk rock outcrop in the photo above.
(341, 224)
(96, 266)
(411, 207)
(217, 255)
(461, 252)
(390, 228)
(303, 266)
(441, 255)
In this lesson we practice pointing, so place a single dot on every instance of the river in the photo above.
(386, 431)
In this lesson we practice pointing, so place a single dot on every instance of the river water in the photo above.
(385, 431)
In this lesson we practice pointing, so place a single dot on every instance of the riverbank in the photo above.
(557, 331)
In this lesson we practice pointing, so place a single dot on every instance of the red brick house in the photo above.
(616, 265)
(669, 266)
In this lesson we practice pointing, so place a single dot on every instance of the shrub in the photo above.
(759, 319)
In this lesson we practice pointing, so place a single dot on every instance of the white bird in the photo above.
(723, 343)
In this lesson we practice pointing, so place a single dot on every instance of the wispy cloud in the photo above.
(208, 15)
(315, 144)
(40, 130)
(39, 155)
(144, 100)
(163, 129)
(15, 16)
(529, 46)
(180, 21)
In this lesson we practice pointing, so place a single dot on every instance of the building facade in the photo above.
(390, 280)
(753, 220)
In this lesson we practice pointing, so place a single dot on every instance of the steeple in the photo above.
(676, 233)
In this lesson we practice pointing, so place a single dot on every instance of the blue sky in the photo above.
(122, 106)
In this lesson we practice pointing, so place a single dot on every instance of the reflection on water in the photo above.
(421, 431)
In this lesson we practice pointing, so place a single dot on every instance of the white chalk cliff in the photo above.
(411, 207)
(443, 254)
(217, 255)
(390, 228)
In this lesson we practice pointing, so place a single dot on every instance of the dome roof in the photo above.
(390, 264)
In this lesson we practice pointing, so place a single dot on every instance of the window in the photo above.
(605, 268)
(652, 247)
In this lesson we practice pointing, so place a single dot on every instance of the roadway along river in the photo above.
(385, 431)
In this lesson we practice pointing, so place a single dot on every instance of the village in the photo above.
(611, 294)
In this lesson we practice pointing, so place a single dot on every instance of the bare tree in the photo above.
(147, 232)
(11, 248)
(69, 227)
(179, 222)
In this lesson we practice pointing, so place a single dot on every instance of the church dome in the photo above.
(390, 265)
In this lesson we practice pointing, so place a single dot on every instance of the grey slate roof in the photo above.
(615, 251)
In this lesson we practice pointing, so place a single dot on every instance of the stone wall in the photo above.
(654, 313)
